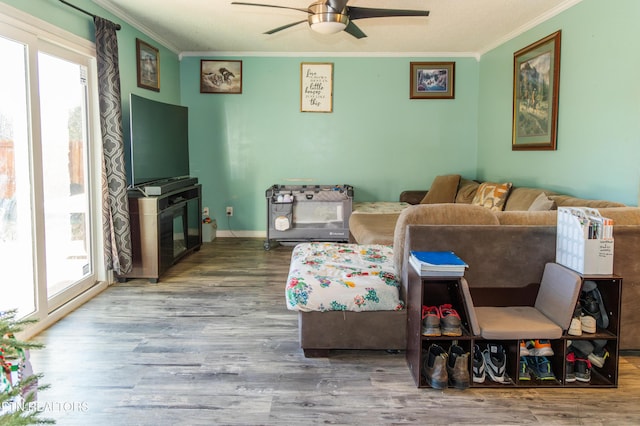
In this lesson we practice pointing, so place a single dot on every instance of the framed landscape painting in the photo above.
(148, 66)
(536, 82)
(432, 80)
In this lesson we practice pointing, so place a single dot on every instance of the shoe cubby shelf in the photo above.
(433, 291)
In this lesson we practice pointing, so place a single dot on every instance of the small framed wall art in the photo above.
(148, 65)
(220, 76)
(536, 82)
(316, 87)
(432, 80)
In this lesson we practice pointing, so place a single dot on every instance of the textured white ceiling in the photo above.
(453, 28)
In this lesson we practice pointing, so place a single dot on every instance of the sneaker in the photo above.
(526, 347)
(479, 366)
(542, 348)
(575, 328)
(524, 373)
(583, 370)
(582, 348)
(450, 322)
(430, 321)
(540, 366)
(458, 367)
(495, 360)
(434, 367)
(570, 363)
(588, 324)
(599, 354)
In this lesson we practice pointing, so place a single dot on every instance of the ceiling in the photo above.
(453, 28)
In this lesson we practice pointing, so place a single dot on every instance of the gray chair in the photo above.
(547, 319)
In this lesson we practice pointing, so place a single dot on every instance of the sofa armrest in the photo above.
(413, 196)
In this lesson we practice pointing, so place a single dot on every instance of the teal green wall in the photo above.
(380, 141)
(598, 151)
(81, 25)
(376, 138)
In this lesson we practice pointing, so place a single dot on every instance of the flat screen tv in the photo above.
(159, 141)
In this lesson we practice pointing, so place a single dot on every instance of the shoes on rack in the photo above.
(431, 321)
(458, 367)
(479, 366)
(434, 367)
(582, 348)
(526, 347)
(583, 370)
(575, 328)
(540, 367)
(599, 354)
(570, 363)
(588, 324)
(495, 359)
(542, 348)
(592, 303)
(450, 323)
(524, 373)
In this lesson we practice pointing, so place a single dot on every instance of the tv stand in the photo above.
(168, 185)
(164, 229)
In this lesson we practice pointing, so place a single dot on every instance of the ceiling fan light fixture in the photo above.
(325, 20)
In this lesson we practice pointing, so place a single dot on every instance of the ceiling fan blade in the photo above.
(284, 27)
(366, 12)
(354, 30)
(270, 5)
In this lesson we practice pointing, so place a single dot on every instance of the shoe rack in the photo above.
(434, 291)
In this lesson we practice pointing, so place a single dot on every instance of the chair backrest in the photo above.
(558, 294)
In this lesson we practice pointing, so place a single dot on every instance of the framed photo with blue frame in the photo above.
(536, 83)
(432, 80)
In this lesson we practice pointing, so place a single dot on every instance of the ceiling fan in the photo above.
(333, 16)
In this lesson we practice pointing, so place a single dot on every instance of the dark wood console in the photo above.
(164, 229)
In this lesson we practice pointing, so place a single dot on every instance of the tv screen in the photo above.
(159, 140)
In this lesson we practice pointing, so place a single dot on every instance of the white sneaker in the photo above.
(575, 328)
(588, 324)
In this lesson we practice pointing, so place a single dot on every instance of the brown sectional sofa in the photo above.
(387, 229)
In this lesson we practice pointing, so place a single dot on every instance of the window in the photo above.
(49, 230)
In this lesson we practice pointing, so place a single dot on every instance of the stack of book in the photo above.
(437, 263)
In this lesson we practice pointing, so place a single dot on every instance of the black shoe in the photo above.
(458, 367)
(593, 305)
(434, 367)
(582, 370)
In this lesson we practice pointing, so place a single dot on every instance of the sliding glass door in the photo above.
(47, 242)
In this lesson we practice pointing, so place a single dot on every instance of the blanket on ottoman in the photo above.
(342, 277)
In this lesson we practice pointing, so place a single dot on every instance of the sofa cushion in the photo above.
(437, 214)
(492, 195)
(466, 191)
(568, 201)
(542, 203)
(521, 198)
(443, 190)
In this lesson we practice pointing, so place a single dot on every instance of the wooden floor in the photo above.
(213, 343)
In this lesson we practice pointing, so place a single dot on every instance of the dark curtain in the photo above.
(115, 210)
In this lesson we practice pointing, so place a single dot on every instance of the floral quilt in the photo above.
(342, 277)
(378, 207)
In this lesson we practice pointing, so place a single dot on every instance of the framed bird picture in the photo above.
(220, 76)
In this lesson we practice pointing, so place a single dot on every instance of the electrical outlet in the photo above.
(205, 211)
(229, 211)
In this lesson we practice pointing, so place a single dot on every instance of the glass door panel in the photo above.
(63, 110)
(16, 230)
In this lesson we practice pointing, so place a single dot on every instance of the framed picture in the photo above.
(148, 64)
(220, 76)
(316, 87)
(432, 80)
(536, 80)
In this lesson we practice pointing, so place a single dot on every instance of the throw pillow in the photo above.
(492, 195)
(542, 203)
(443, 190)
